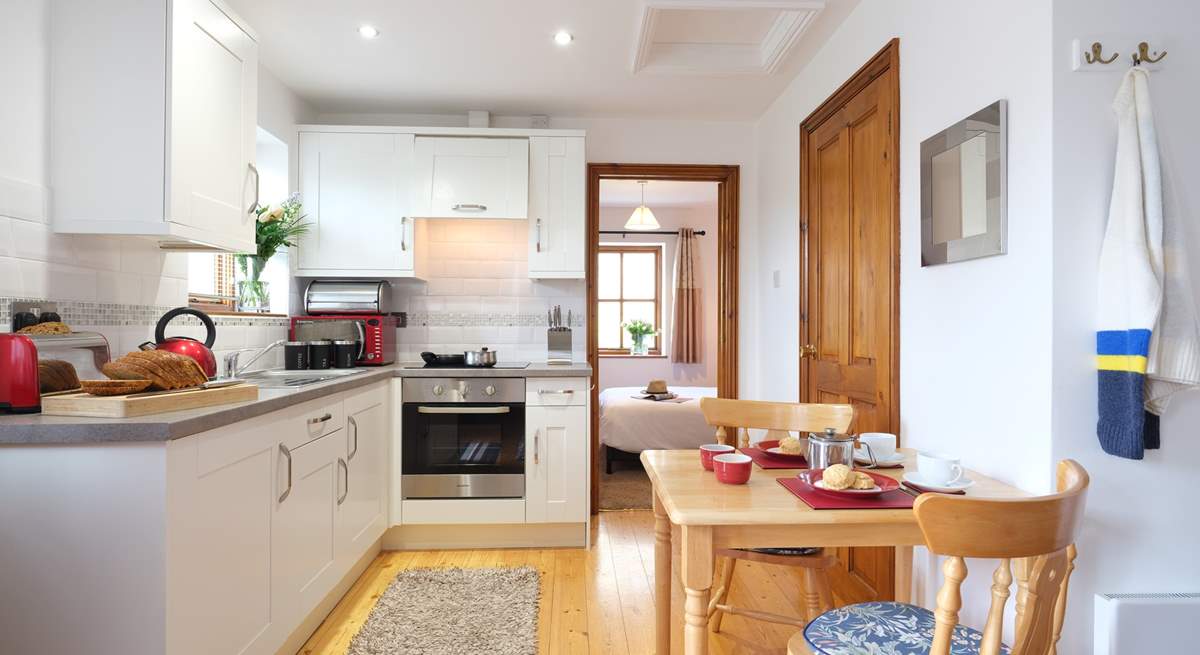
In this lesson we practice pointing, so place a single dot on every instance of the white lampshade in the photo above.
(642, 219)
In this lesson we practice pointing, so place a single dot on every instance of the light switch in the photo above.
(776, 278)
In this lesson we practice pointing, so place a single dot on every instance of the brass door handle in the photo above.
(808, 350)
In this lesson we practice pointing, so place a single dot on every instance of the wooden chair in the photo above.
(1035, 534)
(732, 418)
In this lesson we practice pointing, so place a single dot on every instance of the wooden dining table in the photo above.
(694, 515)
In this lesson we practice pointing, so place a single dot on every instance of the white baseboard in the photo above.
(454, 537)
(20, 199)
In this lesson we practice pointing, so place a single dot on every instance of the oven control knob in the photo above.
(438, 390)
(489, 390)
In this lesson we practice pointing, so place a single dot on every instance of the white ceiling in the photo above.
(628, 193)
(448, 56)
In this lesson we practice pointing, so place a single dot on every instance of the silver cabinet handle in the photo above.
(539, 235)
(353, 424)
(345, 467)
(288, 454)
(257, 179)
(469, 207)
(425, 409)
(403, 233)
(537, 448)
(326, 417)
(560, 391)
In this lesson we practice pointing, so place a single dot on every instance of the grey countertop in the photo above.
(38, 429)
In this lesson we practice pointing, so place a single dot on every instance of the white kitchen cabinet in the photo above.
(556, 451)
(557, 207)
(356, 189)
(471, 177)
(152, 122)
(362, 513)
(303, 528)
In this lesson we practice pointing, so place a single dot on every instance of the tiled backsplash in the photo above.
(478, 293)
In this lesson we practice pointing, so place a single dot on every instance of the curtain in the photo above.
(686, 337)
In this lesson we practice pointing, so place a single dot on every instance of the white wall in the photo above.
(1142, 544)
(633, 371)
(975, 356)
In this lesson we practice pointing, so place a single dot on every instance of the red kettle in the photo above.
(201, 352)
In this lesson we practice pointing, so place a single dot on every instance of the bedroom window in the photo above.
(629, 287)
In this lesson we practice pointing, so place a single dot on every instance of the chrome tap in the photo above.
(232, 369)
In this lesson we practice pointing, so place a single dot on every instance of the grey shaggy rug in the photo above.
(490, 611)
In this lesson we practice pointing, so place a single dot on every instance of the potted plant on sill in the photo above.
(638, 331)
(274, 228)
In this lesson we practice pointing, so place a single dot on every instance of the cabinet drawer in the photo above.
(313, 420)
(553, 392)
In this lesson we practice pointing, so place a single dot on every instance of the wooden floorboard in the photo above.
(598, 601)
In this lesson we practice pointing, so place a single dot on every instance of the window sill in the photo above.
(219, 312)
(603, 356)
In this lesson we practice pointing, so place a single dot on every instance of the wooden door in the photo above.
(850, 238)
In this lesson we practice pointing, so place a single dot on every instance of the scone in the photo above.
(838, 476)
(863, 481)
(791, 446)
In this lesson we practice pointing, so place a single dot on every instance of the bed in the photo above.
(630, 425)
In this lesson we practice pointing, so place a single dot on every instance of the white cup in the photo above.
(880, 444)
(937, 468)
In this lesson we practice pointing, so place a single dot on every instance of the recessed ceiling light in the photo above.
(563, 37)
(368, 32)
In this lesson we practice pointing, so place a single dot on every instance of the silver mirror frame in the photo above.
(995, 240)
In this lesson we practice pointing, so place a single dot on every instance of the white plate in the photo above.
(915, 478)
(820, 484)
(897, 459)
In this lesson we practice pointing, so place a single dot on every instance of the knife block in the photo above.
(558, 345)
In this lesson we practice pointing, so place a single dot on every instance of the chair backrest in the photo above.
(1036, 534)
(732, 416)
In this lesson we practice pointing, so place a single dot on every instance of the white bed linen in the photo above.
(634, 425)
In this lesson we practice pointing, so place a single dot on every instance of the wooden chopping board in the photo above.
(145, 403)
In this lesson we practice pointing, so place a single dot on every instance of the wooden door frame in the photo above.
(885, 62)
(727, 179)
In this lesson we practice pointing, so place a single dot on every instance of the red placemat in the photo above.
(818, 500)
(765, 461)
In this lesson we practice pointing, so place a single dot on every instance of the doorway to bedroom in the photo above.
(662, 274)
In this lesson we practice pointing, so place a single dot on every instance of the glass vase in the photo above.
(253, 293)
(640, 347)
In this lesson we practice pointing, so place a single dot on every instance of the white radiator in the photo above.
(1137, 624)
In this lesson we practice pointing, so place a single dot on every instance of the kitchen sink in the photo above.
(284, 379)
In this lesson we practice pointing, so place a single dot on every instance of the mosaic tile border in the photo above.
(96, 314)
(477, 319)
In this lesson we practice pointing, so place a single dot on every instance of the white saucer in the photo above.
(961, 484)
(897, 459)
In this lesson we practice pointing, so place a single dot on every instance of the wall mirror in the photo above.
(963, 188)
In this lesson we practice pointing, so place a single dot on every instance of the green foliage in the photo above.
(275, 228)
(639, 329)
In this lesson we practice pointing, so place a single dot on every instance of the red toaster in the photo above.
(19, 384)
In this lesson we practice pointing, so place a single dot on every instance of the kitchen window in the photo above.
(629, 287)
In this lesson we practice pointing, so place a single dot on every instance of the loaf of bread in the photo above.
(56, 375)
(51, 327)
(164, 370)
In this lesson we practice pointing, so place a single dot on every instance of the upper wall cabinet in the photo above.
(152, 121)
(356, 193)
(469, 177)
(557, 200)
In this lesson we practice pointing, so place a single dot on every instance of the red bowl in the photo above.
(708, 450)
(732, 468)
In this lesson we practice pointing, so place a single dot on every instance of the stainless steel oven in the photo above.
(463, 438)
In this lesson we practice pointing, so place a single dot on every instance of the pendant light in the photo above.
(642, 218)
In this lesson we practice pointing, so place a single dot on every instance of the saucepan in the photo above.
(481, 358)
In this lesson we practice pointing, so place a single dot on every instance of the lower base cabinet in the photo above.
(265, 517)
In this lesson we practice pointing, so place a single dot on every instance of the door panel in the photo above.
(850, 239)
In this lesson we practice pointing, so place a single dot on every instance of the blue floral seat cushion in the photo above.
(884, 629)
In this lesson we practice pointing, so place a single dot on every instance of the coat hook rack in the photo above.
(1143, 55)
(1096, 55)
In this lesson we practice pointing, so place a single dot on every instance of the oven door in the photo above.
(463, 450)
